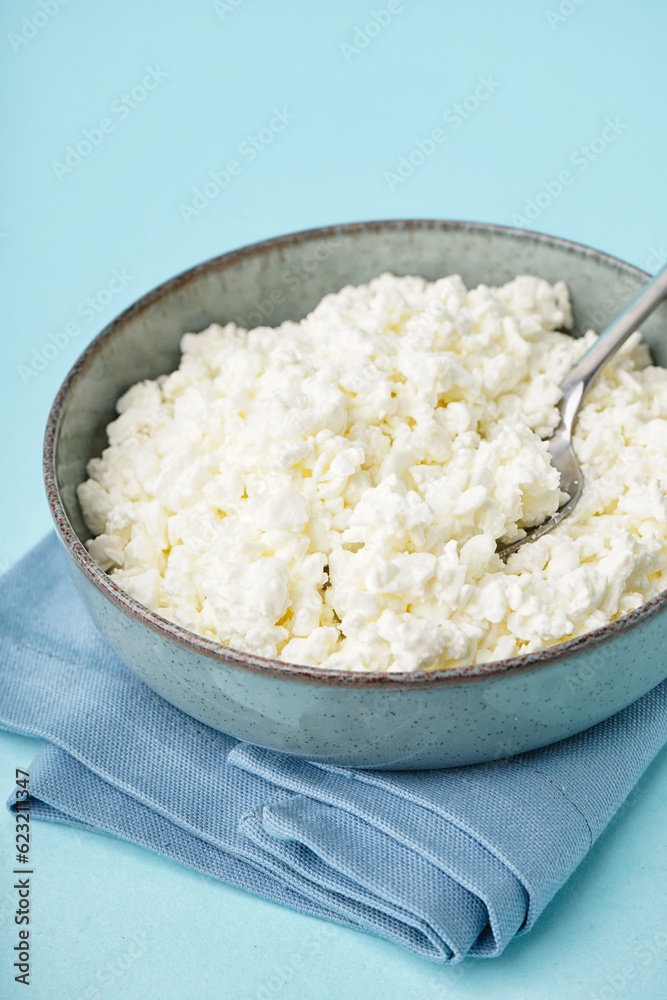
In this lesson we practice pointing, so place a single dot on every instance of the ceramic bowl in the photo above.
(420, 720)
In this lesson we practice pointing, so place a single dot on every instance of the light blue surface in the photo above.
(119, 209)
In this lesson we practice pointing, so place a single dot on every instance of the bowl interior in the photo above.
(285, 278)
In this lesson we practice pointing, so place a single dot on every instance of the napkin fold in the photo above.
(445, 863)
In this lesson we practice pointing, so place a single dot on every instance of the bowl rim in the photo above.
(225, 655)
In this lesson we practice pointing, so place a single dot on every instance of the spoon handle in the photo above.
(579, 379)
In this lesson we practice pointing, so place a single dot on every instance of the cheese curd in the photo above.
(331, 492)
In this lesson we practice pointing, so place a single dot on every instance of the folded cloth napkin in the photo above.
(445, 863)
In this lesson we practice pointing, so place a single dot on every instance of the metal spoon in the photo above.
(574, 389)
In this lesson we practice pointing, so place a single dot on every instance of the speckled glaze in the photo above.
(422, 720)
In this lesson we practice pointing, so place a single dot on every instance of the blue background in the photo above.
(111, 920)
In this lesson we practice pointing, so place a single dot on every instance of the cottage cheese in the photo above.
(331, 492)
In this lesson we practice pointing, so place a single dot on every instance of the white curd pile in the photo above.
(331, 492)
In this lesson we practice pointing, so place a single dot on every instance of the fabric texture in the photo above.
(445, 863)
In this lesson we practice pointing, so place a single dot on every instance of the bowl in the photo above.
(429, 719)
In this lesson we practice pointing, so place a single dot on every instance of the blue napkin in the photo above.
(445, 863)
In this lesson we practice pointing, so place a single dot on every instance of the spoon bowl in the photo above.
(431, 718)
(574, 389)
(564, 459)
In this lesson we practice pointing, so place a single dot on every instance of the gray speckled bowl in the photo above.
(422, 720)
